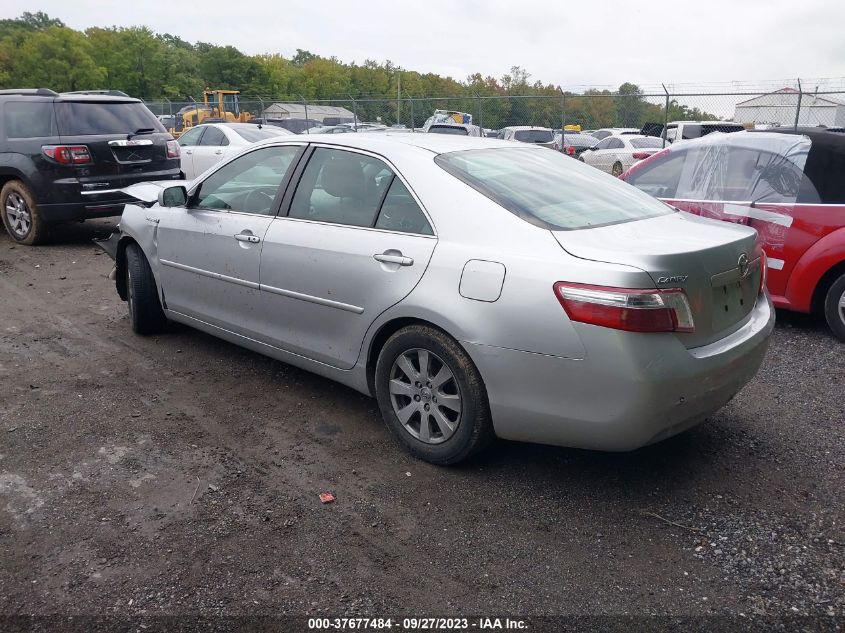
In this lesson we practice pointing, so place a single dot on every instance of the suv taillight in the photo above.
(630, 309)
(67, 154)
(173, 149)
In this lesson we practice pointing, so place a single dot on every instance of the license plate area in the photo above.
(731, 303)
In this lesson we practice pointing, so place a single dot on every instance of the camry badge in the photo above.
(674, 279)
(742, 263)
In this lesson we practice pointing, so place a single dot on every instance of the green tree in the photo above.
(58, 58)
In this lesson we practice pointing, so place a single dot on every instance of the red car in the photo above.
(787, 184)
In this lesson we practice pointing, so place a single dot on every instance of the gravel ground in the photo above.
(179, 475)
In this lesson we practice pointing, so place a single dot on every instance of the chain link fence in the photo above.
(779, 104)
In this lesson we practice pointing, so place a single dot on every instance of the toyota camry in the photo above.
(477, 288)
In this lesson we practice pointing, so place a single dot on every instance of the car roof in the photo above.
(520, 128)
(434, 143)
(819, 136)
(705, 122)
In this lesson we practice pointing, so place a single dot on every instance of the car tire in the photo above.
(433, 430)
(834, 307)
(145, 313)
(21, 216)
(616, 170)
(581, 159)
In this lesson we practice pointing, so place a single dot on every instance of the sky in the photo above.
(594, 43)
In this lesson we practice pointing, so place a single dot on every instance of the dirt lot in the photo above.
(179, 474)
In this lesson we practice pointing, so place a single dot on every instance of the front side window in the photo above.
(341, 187)
(249, 183)
(604, 144)
(549, 189)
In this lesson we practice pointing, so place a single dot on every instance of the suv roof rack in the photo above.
(37, 92)
(107, 93)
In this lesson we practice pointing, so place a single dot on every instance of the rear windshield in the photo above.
(253, 133)
(448, 129)
(647, 143)
(698, 129)
(534, 136)
(84, 118)
(549, 189)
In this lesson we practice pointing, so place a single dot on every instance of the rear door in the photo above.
(212, 149)
(355, 242)
(209, 251)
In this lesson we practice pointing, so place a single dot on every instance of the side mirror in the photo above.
(175, 196)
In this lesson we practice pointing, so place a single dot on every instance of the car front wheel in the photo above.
(431, 396)
(834, 307)
(145, 313)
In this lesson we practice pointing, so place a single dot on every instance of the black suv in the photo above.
(66, 157)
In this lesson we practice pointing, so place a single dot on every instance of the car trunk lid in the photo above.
(716, 264)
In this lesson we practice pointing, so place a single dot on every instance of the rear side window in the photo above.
(214, 136)
(400, 212)
(341, 187)
(28, 119)
(89, 118)
(549, 189)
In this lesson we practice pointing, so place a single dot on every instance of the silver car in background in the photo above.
(617, 154)
(476, 287)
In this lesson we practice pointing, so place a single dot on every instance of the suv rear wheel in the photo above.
(21, 217)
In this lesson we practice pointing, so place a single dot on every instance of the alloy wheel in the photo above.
(425, 396)
(18, 215)
(842, 307)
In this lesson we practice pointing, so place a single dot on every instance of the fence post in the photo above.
(562, 111)
(261, 105)
(413, 121)
(354, 112)
(305, 103)
(480, 112)
(665, 115)
(798, 109)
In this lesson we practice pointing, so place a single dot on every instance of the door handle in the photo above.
(246, 237)
(219, 151)
(189, 151)
(393, 259)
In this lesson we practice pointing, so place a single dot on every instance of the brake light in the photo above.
(629, 309)
(570, 150)
(67, 154)
(641, 155)
(173, 149)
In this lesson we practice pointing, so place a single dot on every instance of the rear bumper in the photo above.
(630, 390)
(69, 211)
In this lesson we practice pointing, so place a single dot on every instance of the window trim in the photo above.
(284, 211)
(280, 191)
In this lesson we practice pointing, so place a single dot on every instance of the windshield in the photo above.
(647, 143)
(698, 130)
(83, 118)
(534, 136)
(448, 129)
(549, 189)
(253, 133)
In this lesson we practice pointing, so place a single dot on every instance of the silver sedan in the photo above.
(477, 288)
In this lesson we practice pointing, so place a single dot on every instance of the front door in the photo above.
(210, 251)
(211, 150)
(354, 243)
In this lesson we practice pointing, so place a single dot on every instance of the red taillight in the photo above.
(630, 309)
(570, 150)
(173, 149)
(67, 154)
(641, 155)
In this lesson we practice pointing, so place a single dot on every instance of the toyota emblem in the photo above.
(743, 265)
